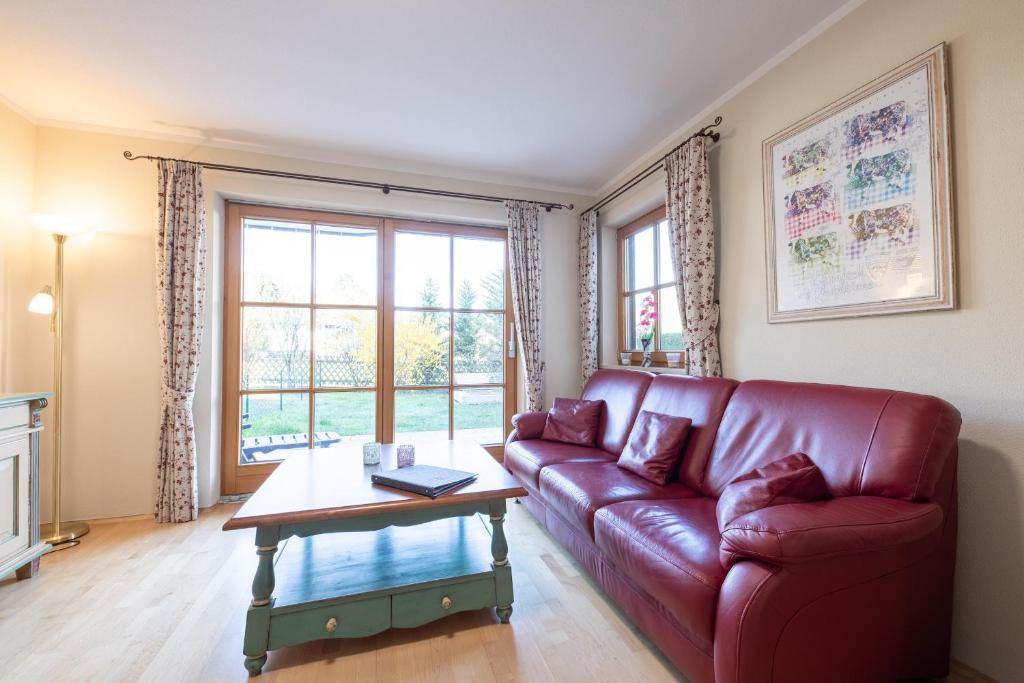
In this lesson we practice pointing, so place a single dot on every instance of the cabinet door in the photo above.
(14, 494)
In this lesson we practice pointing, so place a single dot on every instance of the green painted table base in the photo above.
(390, 570)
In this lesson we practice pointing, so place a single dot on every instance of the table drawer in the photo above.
(419, 607)
(345, 620)
(12, 417)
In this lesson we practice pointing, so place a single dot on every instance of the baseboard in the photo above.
(962, 673)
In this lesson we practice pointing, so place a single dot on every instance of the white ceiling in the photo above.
(553, 93)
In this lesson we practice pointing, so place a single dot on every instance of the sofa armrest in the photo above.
(805, 532)
(528, 425)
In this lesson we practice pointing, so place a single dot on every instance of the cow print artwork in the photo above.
(850, 201)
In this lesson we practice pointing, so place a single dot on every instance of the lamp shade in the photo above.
(42, 302)
(57, 224)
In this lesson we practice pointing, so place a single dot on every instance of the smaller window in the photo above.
(649, 306)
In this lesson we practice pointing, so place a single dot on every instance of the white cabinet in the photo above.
(20, 425)
(14, 499)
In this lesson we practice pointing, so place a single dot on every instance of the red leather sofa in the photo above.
(854, 588)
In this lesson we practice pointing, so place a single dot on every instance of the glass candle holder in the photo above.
(674, 360)
(406, 455)
(625, 358)
(371, 453)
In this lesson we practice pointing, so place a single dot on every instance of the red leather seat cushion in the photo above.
(670, 549)
(577, 490)
(525, 459)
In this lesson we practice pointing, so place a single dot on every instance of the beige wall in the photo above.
(973, 356)
(112, 360)
(17, 171)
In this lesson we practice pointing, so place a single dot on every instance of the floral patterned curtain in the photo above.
(525, 276)
(181, 291)
(587, 264)
(692, 237)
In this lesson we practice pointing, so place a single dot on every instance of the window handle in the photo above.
(511, 340)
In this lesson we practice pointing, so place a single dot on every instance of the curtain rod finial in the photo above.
(128, 155)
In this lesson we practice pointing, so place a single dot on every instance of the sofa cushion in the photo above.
(703, 400)
(865, 441)
(579, 489)
(655, 445)
(573, 421)
(793, 479)
(525, 459)
(622, 391)
(669, 548)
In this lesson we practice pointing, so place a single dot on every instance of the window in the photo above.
(646, 277)
(346, 329)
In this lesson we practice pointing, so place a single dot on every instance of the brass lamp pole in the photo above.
(58, 534)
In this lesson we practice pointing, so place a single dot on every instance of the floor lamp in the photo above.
(50, 302)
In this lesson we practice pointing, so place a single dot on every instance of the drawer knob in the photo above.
(332, 625)
(446, 602)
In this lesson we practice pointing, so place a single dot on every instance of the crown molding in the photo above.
(18, 109)
(700, 119)
(329, 157)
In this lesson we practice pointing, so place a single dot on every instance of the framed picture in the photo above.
(857, 198)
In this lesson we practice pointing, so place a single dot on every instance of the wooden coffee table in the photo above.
(403, 561)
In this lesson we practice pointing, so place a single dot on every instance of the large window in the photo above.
(647, 285)
(345, 329)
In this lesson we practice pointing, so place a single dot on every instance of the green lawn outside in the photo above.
(353, 413)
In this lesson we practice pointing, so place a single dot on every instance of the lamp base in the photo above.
(69, 533)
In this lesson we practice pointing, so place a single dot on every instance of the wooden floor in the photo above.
(142, 601)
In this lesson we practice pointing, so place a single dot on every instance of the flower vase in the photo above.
(647, 353)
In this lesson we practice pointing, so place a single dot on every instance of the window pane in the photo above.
(421, 348)
(479, 415)
(422, 270)
(479, 273)
(665, 271)
(345, 417)
(273, 426)
(421, 415)
(478, 348)
(671, 327)
(275, 261)
(275, 348)
(640, 259)
(636, 327)
(346, 348)
(346, 265)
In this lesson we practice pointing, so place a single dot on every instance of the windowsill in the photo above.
(655, 370)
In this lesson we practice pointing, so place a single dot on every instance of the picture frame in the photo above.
(858, 201)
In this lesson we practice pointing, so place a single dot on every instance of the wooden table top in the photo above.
(331, 483)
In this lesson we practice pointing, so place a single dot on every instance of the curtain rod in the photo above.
(386, 188)
(649, 171)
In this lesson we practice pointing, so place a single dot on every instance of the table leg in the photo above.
(502, 569)
(27, 571)
(257, 622)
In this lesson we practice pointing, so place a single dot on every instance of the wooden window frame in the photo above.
(238, 478)
(648, 220)
(396, 225)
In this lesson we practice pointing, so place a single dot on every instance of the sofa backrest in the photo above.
(703, 400)
(622, 391)
(866, 441)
